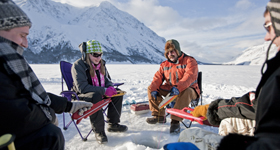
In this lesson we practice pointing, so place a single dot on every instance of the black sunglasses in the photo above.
(267, 26)
(96, 54)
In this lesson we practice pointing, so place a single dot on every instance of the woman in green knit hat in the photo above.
(91, 81)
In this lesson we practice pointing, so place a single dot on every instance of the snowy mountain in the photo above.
(254, 55)
(58, 29)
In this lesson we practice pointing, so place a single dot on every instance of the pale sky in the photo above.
(209, 30)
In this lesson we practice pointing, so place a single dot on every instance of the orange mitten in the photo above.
(200, 110)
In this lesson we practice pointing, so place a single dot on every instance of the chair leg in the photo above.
(65, 127)
(186, 125)
(104, 112)
(107, 108)
(83, 138)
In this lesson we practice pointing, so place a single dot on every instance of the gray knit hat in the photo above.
(11, 16)
(274, 9)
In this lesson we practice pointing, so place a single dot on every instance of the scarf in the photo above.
(17, 64)
(94, 79)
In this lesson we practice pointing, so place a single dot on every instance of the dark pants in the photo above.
(49, 137)
(97, 119)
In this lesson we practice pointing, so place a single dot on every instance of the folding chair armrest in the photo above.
(68, 95)
(117, 84)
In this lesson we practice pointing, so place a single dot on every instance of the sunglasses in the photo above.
(96, 54)
(267, 26)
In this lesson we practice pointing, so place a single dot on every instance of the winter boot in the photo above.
(101, 137)
(115, 127)
(156, 119)
(175, 127)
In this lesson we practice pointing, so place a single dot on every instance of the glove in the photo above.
(174, 91)
(154, 94)
(110, 91)
(80, 106)
(200, 110)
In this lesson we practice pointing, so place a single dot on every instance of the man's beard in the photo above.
(173, 57)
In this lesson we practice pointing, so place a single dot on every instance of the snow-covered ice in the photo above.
(223, 81)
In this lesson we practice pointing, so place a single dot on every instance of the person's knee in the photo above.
(52, 134)
(93, 97)
(188, 92)
(48, 137)
(117, 99)
(149, 89)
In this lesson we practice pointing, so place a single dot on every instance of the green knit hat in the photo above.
(93, 46)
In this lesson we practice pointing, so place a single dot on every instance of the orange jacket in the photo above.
(182, 75)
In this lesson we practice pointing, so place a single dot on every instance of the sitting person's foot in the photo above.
(101, 137)
(115, 127)
(156, 119)
(175, 127)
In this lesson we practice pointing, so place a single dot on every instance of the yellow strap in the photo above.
(119, 93)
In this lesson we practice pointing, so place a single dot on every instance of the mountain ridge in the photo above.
(59, 28)
(254, 55)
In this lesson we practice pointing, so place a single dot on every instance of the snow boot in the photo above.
(175, 127)
(115, 127)
(101, 137)
(156, 119)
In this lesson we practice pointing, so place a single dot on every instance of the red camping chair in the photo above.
(65, 68)
(182, 113)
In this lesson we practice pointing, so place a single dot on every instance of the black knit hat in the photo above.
(11, 16)
(274, 9)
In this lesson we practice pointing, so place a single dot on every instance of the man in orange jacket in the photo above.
(179, 72)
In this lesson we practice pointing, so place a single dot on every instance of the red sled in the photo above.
(95, 107)
(185, 115)
(139, 108)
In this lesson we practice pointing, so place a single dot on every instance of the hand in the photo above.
(110, 91)
(80, 106)
(154, 94)
(200, 110)
(174, 91)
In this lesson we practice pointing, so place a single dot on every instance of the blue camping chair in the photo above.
(65, 68)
